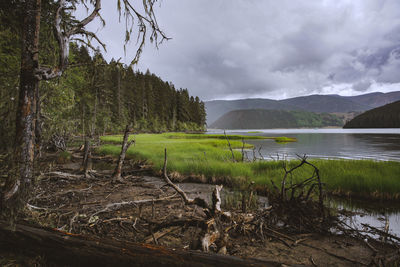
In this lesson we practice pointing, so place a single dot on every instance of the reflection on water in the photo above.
(377, 144)
(372, 213)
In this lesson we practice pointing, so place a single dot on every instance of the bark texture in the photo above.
(20, 178)
(87, 158)
(60, 249)
(21, 173)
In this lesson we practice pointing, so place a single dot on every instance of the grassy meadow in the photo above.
(209, 158)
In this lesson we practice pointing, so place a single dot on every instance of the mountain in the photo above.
(217, 108)
(387, 116)
(325, 103)
(267, 119)
(377, 99)
(314, 103)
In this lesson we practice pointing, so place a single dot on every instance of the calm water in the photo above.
(373, 213)
(378, 144)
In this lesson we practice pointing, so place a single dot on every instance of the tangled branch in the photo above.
(66, 32)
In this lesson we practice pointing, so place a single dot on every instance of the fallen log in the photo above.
(60, 248)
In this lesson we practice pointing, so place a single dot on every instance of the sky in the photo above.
(231, 49)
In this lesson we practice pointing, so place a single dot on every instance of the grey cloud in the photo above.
(362, 86)
(390, 71)
(224, 49)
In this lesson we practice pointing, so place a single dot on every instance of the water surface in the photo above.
(377, 144)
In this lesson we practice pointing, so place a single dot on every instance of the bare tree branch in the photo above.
(188, 201)
(86, 20)
(64, 38)
(230, 147)
(145, 21)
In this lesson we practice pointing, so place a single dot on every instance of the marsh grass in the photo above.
(234, 200)
(192, 155)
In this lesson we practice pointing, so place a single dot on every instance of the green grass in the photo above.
(229, 136)
(202, 155)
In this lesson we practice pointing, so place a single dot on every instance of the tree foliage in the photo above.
(93, 96)
(387, 116)
(49, 101)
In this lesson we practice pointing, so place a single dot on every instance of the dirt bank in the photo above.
(144, 209)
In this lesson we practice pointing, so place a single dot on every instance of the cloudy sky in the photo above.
(229, 49)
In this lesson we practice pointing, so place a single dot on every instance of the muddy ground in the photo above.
(143, 208)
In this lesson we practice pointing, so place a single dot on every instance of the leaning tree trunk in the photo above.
(21, 174)
(125, 145)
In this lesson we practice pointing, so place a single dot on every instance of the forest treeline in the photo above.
(387, 116)
(93, 96)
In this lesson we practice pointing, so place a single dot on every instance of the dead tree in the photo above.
(197, 201)
(87, 158)
(302, 190)
(230, 147)
(242, 150)
(66, 29)
(210, 233)
(299, 202)
(125, 145)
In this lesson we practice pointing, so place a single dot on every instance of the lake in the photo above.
(377, 144)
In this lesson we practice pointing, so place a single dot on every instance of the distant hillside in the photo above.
(377, 99)
(217, 108)
(387, 116)
(325, 103)
(314, 103)
(267, 119)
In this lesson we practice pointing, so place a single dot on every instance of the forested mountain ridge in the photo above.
(387, 116)
(313, 103)
(267, 119)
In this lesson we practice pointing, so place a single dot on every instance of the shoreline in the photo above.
(210, 160)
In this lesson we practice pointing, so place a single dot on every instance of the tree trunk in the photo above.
(62, 249)
(119, 92)
(125, 146)
(38, 128)
(93, 130)
(87, 158)
(21, 176)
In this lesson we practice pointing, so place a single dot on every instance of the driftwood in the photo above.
(301, 191)
(210, 232)
(197, 201)
(57, 175)
(125, 145)
(60, 248)
(119, 205)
